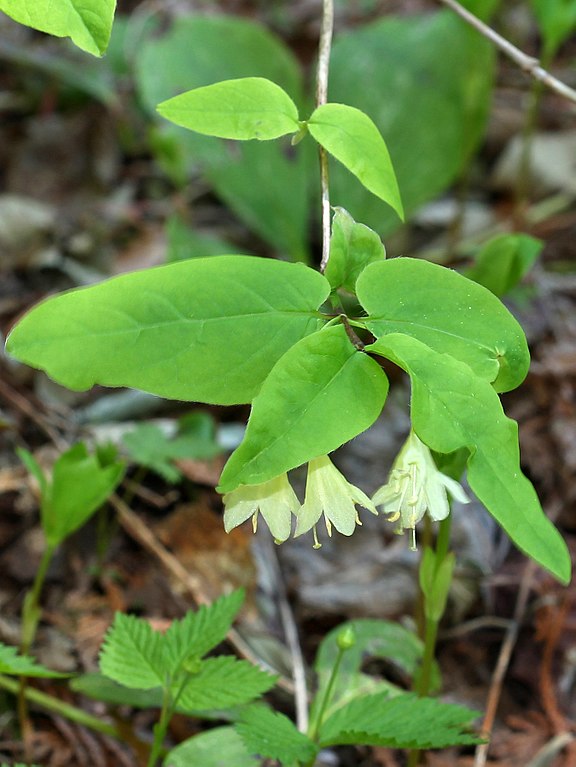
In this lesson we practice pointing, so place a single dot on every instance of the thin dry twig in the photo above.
(325, 46)
(504, 661)
(134, 526)
(528, 64)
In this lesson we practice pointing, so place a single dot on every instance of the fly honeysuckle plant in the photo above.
(236, 329)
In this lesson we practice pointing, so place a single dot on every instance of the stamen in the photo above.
(317, 544)
(413, 546)
(255, 522)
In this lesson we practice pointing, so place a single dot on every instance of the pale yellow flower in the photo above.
(329, 493)
(416, 486)
(275, 500)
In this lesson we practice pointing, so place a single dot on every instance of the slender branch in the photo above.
(527, 63)
(321, 98)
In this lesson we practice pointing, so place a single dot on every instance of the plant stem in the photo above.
(317, 723)
(66, 710)
(321, 98)
(161, 728)
(423, 682)
(526, 63)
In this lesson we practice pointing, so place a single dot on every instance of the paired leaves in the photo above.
(320, 394)
(448, 313)
(208, 330)
(87, 22)
(255, 108)
(454, 408)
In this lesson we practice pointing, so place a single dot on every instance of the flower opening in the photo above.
(328, 492)
(416, 486)
(274, 499)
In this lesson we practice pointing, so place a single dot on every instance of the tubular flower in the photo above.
(329, 493)
(414, 487)
(275, 500)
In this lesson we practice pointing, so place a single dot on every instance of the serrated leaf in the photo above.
(220, 747)
(352, 247)
(168, 330)
(132, 654)
(448, 313)
(404, 721)
(79, 485)
(502, 262)
(453, 408)
(353, 139)
(200, 631)
(322, 393)
(272, 735)
(223, 682)
(23, 665)
(242, 109)
(373, 639)
(87, 22)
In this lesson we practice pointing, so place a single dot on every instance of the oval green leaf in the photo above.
(453, 408)
(352, 247)
(351, 136)
(87, 22)
(208, 330)
(321, 393)
(243, 109)
(447, 312)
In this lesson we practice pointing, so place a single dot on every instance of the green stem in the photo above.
(161, 728)
(443, 538)
(31, 611)
(66, 710)
(319, 718)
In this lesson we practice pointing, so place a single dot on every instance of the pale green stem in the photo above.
(424, 679)
(50, 703)
(319, 718)
(321, 98)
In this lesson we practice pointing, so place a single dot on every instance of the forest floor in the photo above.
(82, 198)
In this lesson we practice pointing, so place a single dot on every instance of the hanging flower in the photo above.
(275, 500)
(329, 493)
(414, 487)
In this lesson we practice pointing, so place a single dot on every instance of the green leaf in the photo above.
(243, 109)
(404, 721)
(322, 393)
(453, 408)
(23, 665)
(132, 654)
(99, 687)
(426, 82)
(272, 735)
(34, 468)
(352, 247)
(448, 313)
(208, 330)
(267, 185)
(79, 485)
(220, 747)
(502, 262)
(556, 19)
(351, 136)
(222, 682)
(150, 447)
(374, 639)
(87, 22)
(201, 630)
